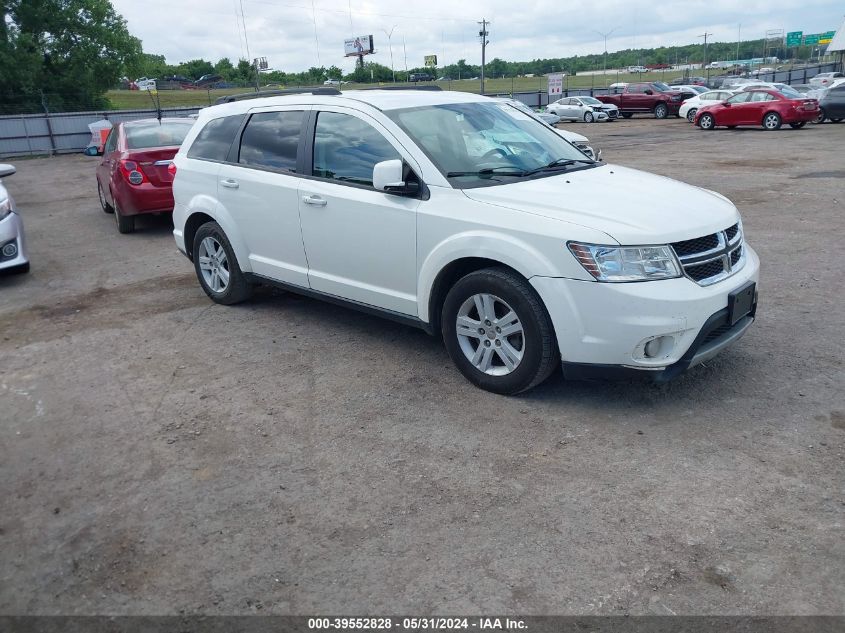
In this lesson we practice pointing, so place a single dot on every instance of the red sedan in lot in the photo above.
(769, 108)
(133, 177)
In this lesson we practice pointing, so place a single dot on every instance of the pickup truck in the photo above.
(654, 97)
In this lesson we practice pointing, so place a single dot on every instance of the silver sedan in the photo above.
(587, 109)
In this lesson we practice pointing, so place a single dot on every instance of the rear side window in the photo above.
(271, 139)
(346, 148)
(215, 140)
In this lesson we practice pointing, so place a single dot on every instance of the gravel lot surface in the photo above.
(161, 454)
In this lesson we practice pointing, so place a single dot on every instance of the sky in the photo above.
(296, 34)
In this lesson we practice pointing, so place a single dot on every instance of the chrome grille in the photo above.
(713, 257)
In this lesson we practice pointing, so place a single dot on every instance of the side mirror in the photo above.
(388, 176)
(649, 92)
(6, 170)
(727, 104)
(93, 150)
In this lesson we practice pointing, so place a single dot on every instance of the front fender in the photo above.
(506, 249)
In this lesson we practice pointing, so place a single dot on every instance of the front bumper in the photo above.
(602, 327)
(11, 234)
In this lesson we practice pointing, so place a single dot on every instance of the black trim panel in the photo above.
(398, 317)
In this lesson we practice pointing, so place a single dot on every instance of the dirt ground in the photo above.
(160, 454)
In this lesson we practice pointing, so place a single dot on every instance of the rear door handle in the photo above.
(229, 183)
(316, 201)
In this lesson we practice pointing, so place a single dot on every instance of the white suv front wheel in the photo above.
(498, 332)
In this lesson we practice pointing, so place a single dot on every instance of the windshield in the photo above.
(662, 87)
(482, 144)
(164, 134)
(590, 100)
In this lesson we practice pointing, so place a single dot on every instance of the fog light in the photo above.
(658, 347)
(10, 250)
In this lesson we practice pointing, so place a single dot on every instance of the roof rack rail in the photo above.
(437, 88)
(276, 93)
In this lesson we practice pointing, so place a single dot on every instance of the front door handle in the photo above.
(316, 201)
(229, 183)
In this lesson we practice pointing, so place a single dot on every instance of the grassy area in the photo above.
(135, 99)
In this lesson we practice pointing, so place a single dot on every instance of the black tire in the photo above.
(238, 288)
(125, 223)
(707, 122)
(627, 115)
(821, 117)
(107, 208)
(691, 114)
(798, 126)
(836, 120)
(661, 111)
(538, 342)
(588, 117)
(772, 121)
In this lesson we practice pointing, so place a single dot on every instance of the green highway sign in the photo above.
(811, 40)
(825, 38)
(794, 38)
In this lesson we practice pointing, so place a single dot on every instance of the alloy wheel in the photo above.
(490, 334)
(214, 264)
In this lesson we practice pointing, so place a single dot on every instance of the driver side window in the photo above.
(347, 148)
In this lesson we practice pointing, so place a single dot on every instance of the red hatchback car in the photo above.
(133, 178)
(769, 108)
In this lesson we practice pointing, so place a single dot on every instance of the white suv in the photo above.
(470, 219)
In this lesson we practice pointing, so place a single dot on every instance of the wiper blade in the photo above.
(490, 171)
(561, 162)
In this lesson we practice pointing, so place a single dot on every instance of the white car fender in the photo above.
(479, 243)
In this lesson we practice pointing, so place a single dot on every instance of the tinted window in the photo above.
(216, 138)
(111, 141)
(158, 134)
(742, 97)
(761, 96)
(346, 148)
(270, 140)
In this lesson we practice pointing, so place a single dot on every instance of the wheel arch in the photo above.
(202, 213)
(464, 254)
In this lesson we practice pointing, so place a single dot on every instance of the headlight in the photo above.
(626, 263)
(5, 207)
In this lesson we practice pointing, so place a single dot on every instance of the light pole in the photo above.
(605, 36)
(390, 45)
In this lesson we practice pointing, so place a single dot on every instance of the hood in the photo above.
(608, 106)
(631, 206)
(572, 137)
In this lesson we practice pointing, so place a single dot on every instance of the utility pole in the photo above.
(483, 33)
(605, 36)
(390, 45)
(738, 35)
(705, 36)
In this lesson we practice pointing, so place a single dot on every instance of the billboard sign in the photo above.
(431, 60)
(360, 45)
(556, 85)
(793, 38)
